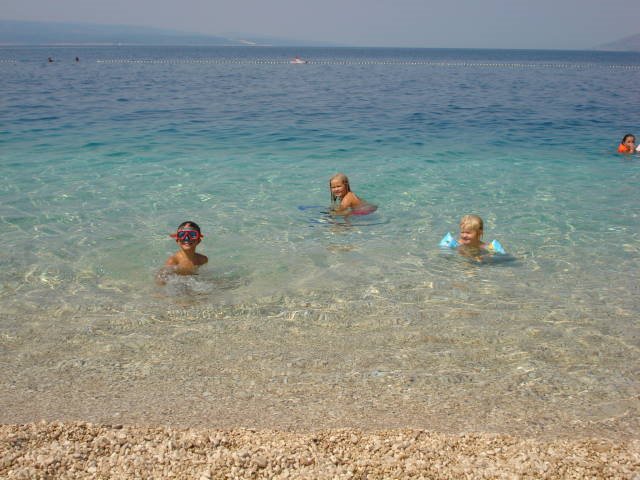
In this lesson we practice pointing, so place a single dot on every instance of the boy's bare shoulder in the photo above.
(172, 260)
(201, 259)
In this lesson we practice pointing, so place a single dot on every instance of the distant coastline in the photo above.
(55, 34)
(626, 44)
(17, 32)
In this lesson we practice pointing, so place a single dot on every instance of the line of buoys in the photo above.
(368, 62)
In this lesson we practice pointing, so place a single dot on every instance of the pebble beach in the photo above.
(86, 450)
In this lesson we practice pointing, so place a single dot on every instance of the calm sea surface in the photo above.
(299, 320)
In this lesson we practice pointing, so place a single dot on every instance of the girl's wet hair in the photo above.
(624, 139)
(191, 224)
(345, 180)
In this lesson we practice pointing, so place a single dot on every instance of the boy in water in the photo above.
(471, 230)
(470, 243)
(186, 260)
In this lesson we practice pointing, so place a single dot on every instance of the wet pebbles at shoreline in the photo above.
(85, 450)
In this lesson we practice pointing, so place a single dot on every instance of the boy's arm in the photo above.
(161, 276)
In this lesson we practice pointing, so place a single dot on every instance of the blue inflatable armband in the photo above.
(496, 247)
(448, 241)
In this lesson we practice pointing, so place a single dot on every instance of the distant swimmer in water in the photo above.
(186, 260)
(77, 59)
(50, 60)
(628, 144)
(344, 201)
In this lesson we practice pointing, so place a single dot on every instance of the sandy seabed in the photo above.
(85, 450)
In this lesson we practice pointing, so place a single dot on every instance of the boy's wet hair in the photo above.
(191, 224)
(472, 221)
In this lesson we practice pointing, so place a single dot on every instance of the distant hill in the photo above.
(16, 32)
(250, 39)
(13, 32)
(628, 44)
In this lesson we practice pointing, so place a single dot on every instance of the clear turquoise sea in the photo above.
(299, 320)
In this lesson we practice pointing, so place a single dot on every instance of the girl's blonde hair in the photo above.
(472, 221)
(345, 180)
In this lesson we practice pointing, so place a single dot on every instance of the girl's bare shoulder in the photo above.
(350, 200)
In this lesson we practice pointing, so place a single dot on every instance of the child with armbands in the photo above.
(628, 144)
(470, 240)
(186, 260)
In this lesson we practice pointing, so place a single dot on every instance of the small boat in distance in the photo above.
(298, 60)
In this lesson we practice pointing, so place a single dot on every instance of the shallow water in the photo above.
(300, 320)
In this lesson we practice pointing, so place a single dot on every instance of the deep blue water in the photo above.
(103, 158)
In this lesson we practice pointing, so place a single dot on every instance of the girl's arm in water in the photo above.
(348, 203)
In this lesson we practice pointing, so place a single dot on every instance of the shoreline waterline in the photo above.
(89, 450)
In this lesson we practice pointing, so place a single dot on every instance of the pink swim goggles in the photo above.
(187, 236)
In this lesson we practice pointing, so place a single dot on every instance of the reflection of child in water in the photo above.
(186, 260)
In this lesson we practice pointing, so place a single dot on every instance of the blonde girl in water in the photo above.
(344, 201)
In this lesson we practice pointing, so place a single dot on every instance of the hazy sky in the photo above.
(570, 24)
